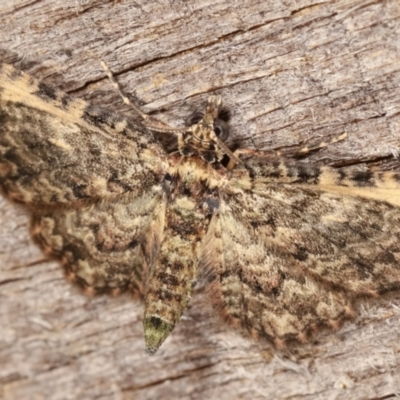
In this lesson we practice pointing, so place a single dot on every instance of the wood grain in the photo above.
(292, 74)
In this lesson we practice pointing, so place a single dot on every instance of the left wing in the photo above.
(55, 149)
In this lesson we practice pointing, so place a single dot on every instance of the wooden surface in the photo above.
(293, 73)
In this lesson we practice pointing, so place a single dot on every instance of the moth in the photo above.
(285, 247)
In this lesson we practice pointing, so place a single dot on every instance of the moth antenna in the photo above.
(151, 123)
(124, 97)
(233, 158)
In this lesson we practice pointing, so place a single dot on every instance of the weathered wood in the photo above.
(292, 73)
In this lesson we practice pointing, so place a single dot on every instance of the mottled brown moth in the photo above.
(285, 247)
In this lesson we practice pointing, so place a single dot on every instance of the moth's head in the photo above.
(205, 133)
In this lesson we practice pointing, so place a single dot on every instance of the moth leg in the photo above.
(307, 150)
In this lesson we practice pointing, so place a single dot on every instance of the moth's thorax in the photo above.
(195, 171)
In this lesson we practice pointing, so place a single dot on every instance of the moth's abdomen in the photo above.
(174, 273)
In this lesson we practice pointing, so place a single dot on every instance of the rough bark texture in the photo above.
(292, 73)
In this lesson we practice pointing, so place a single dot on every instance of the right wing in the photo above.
(289, 249)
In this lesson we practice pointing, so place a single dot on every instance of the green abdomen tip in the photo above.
(156, 330)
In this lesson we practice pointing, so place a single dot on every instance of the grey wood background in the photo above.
(293, 73)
